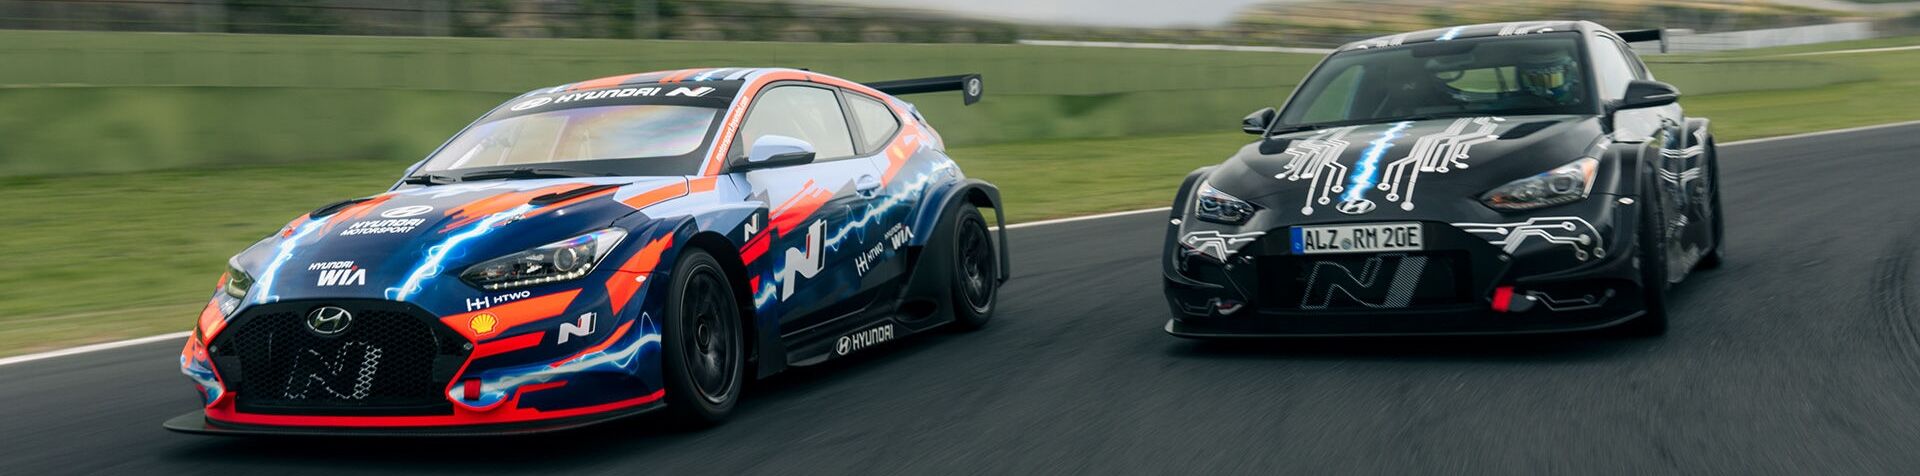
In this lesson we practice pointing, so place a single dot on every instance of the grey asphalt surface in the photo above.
(1800, 356)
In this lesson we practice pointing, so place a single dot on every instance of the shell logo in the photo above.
(483, 324)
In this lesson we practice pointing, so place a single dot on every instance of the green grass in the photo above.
(76, 102)
(99, 257)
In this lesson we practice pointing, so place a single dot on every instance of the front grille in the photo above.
(1357, 282)
(392, 359)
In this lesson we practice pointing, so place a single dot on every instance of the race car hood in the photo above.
(1400, 170)
(406, 242)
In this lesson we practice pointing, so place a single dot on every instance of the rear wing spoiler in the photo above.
(1639, 36)
(967, 84)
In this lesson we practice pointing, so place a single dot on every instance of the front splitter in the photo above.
(196, 422)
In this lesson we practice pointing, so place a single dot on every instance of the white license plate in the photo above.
(1356, 238)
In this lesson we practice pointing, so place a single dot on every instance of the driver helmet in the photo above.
(1549, 73)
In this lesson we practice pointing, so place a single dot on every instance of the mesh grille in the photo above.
(1364, 281)
(384, 362)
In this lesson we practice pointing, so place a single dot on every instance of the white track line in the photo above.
(1821, 133)
(182, 335)
(1057, 221)
(93, 348)
(1848, 52)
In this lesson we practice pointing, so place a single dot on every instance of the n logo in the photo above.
(347, 374)
(343, 277)
(690, 92)
(582, 328)
(804, 262)
(1383, 281)
(752, 226)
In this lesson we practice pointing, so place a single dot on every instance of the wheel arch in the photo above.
(723, 250)
(929, 279)
(939, 205)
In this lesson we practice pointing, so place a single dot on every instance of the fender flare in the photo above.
(761, 336)
(942, 203)
(929, 278)
(1698, 131)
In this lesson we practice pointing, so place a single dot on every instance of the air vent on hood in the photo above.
(558, 197)
(1527, 129)
(334, 208)
(1274, 146)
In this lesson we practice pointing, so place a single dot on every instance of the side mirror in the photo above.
(1643, 93)
(777, 151)
(1257, 122)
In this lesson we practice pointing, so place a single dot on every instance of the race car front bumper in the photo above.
(1460, 283)
(401, 371)
(197, 422)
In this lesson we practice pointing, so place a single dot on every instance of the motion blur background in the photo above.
(144, 141)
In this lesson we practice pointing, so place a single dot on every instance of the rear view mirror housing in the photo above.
(1258, 122)
(1642, 93)
(771, 151)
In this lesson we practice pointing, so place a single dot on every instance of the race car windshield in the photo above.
(1538, 74)
(604, 140)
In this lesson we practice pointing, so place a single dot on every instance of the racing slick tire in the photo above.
(1653, 272)
(974, 289)
(1718, 255)
(703, 350)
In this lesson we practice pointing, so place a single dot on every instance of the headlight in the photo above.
(238, 281)
(559, 261)
(1567, 184)
(1213, 205)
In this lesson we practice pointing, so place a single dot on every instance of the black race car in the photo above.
(1488, 179)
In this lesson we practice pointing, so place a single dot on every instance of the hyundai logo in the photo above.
(329, 320)
(532, 103)
(407, 211)
(1356, 206)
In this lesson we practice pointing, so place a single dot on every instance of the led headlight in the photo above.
(559, 261)
(238, 281)
(1567, 184)
(1213, 205)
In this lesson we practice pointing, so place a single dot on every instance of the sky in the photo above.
(1132, 13)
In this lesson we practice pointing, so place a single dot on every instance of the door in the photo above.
(809, 276)
(881, 264)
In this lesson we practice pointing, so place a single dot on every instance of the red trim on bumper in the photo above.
(1502, 298)
(225, 413)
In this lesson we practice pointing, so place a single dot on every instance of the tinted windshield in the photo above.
(1536, 74)
(646, 139)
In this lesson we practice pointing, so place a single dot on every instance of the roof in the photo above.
(1472, 31)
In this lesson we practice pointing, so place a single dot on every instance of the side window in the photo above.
(877, 122)
(801, 112)
(1633, 59)
(1610, 69)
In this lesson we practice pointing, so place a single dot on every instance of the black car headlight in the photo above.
(238, 281)
(555, 262)
(1566, 184)
(1213, 205)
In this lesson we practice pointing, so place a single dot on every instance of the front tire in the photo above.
(1653, 270)
(702, 347)
(975, 270)
(1718, 255)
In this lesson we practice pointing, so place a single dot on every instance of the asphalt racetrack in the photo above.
(1800, 356)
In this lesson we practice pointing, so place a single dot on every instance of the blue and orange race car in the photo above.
(600, 249)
